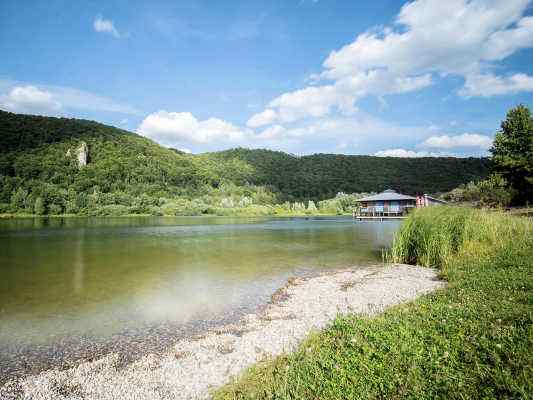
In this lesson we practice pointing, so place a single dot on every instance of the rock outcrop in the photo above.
(82, 154)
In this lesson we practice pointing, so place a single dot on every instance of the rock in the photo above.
(82, 153)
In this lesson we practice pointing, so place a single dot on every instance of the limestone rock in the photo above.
(82, 153)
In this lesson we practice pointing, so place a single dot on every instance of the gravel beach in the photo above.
(193, 367)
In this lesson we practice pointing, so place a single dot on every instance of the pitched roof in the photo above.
(388, 195)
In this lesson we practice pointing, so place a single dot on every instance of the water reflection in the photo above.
(101, 277)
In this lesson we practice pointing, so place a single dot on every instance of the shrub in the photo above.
(112, 210)
(54, 209)
(492, 192)
(39, 207)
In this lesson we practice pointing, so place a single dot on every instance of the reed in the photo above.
(470, 340)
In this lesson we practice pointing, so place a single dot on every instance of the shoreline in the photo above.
(300, 307)
(243, 215)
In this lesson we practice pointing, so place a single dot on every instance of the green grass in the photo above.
(473, 339)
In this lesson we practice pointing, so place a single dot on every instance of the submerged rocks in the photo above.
(193, 367)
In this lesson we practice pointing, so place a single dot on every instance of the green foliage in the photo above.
(512, 153)
(342, 203)
(39, 207)
(491, 192)
(321, 176)
(471, 340)
(311, 207)
(130, 174)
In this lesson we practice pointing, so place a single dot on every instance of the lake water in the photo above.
(74, 289)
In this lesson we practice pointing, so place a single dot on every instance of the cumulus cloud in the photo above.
(443, 143)
(263, 118)
(429, 39)
(466, 140)
(358, 133)
(105, 26)
(272, 132)
(487, 85)
(30, 100)
(403, 153)
(177, 128)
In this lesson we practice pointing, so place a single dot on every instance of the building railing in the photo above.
(379, 211)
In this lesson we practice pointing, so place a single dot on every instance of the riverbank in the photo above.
(472, 340)
(192, 368)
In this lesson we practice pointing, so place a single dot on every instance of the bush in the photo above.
(39, 207)
(112, 210)
(55, 209)
(492, 192)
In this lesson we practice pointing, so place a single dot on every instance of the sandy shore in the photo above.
(193, 367)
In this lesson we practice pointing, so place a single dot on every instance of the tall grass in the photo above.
(473, 339)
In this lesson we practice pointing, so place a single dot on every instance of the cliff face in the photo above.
(82, 153)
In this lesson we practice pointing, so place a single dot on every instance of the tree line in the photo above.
(130, 174)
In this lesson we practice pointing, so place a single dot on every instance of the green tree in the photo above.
(18, 199)
(512, 152)
(39, 207)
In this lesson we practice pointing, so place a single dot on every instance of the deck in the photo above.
(377, 218)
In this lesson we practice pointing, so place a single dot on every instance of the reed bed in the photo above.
(473, 339)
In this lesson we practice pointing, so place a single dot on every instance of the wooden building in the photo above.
(392, 204)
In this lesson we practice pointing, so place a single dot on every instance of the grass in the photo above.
(472, 340)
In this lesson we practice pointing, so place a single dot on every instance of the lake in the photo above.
(76, 288)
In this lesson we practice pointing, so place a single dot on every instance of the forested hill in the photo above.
(39, 165)
(128, 173)
(323, 175)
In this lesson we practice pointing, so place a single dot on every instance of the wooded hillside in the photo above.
(125, 172)
(323, 175)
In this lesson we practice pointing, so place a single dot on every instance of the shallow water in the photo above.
(76, 288)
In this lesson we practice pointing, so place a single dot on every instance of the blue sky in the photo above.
(417, 78)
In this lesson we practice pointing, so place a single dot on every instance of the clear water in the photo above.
(87, 284)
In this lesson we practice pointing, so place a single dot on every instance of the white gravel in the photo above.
(193, 367)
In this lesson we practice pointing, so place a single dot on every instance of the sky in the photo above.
(382, 77)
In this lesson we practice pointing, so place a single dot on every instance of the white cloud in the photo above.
(359, 132)
(30, 100)
(176, 128)
(403, 153)
(263, 118)
(430, 39)
(272, 132)
(470, 140)
(454, 36)
(319, 101)
(106, 26)
(487, 85)
(62, 99)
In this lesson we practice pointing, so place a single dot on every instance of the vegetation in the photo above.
(129, 174)
(470, 340)
(511, 180)
(321, 176)
(491, 192)
(512, 153)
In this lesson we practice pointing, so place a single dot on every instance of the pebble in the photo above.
(193, 367)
